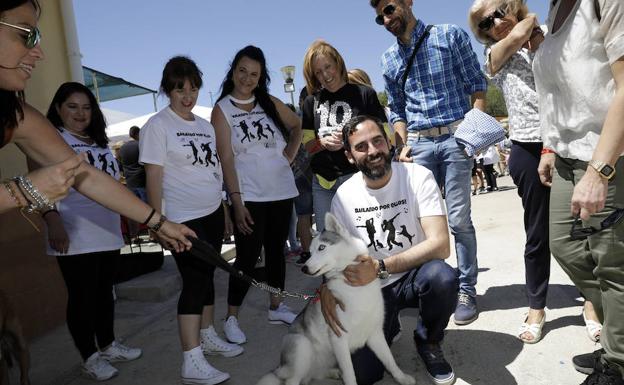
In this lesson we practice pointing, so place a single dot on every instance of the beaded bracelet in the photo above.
(41, 203)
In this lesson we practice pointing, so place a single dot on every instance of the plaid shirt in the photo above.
(444, 74)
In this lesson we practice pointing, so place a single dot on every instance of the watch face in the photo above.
(607, 170)
(383, 274)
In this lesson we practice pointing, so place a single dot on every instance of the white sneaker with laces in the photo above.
(212, 344)
(97, 368)
(232, 331)
(196, 370)
(282, 315)
(117, 352)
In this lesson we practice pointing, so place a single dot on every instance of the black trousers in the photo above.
(197, 276)
(90, 304)
(523, 162)
(270, 229)
(433, 289)
(490, 178)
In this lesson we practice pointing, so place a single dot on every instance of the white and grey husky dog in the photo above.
(311, 349)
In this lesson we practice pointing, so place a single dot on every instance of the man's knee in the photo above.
(440, 277)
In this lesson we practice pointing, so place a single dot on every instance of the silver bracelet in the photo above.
(41, 202)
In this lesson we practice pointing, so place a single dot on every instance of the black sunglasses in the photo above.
(386, 11)
(488, 22)
(32, 38)
(578, 232)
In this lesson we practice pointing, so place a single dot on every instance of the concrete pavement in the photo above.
(485, 352)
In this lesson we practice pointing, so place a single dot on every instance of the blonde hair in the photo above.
(475, 15)
(320, 47)
(358, 76)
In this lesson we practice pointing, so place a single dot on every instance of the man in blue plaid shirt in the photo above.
(443, 83)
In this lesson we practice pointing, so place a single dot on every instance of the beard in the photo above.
(400, 28)
(377, 171)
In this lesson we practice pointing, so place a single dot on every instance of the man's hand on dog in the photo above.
(362, 273)
(328, 308)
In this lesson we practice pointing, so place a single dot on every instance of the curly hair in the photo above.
(475, 15)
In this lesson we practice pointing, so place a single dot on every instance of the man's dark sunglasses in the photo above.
(488, 22)
(386, 11)
(578, 232)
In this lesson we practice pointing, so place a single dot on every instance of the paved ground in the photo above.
(485, 352)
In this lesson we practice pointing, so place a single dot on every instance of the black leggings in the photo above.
(197, 276)
(270, 229)
(90, 305)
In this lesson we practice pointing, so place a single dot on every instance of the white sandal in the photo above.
(535, 330)
(593, 328)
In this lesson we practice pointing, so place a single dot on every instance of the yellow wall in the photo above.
(30, 278)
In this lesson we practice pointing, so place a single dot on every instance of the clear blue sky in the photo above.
(133, 39)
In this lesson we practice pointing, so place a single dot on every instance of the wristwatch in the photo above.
(605, 171)
(382, 272)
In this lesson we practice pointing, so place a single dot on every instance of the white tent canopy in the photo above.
(119, 131)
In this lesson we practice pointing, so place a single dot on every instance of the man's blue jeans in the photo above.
(451, 168)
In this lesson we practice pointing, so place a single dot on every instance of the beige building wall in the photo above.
(30, 278)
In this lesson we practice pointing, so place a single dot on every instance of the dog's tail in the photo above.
(270, 379)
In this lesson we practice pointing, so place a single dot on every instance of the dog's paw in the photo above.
(405, 379)
(334, 374)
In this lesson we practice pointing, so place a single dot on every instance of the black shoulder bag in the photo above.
(411, 59)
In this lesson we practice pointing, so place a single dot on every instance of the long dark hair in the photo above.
(12, 102)
(96, 128)
(262, 91)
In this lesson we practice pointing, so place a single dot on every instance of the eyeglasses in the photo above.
(386, 11)
(32, 39)
(488, 22)
(579, 233)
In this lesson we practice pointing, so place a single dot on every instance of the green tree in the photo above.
(383, 98)
(495, 101)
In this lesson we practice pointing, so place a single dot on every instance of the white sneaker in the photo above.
(97, 368)
(196, 370)
(212, 344)
(119, 353)
(233, 333)
(282, 315)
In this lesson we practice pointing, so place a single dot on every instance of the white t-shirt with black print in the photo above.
(187, 151)
(387, 219)
(90, 226)
(263, 171)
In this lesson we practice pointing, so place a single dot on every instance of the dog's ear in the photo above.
(332, 224)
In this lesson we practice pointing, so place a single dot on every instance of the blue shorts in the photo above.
(303, 202)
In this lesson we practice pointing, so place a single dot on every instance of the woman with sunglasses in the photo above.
(178, 149)
(257, 139)
(579, 77)
(332, 102)
(511, 35)
(38, 139)
(86, 238)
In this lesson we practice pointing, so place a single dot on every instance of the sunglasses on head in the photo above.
(578, 232)
(32, 39)
(386, 11)
(488, 22)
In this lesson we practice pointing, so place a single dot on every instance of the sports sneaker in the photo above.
(281, 315)
(232, 331)
(303, 258)
(97, 368)
(119, 353)
(588, 362)
(438, 368)
(466, 310)
(605, 375)
(196, 370)
(212, 344)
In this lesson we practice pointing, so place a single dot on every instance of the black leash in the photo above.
(204, 251)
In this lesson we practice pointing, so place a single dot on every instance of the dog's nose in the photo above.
(305, 270)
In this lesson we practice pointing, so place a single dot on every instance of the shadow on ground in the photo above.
(514, 297)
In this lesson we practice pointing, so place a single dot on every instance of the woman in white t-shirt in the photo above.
(179, 151)
(579, 77)
(258, 139)
(86, 237)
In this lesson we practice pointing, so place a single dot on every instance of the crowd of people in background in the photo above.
(260, 169)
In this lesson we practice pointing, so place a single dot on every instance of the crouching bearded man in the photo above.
(398, 210)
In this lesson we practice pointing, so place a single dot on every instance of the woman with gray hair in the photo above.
(511, 35)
